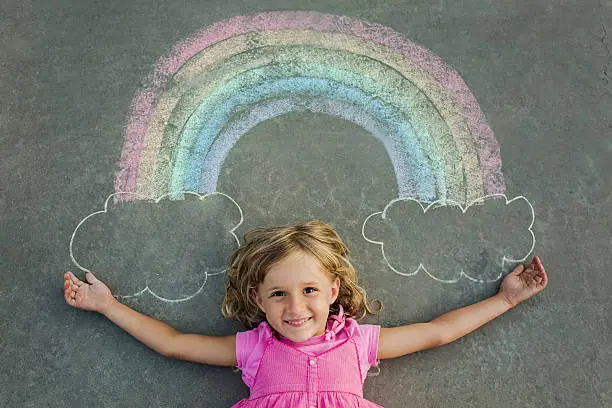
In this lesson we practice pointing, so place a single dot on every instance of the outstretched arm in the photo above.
(94, 295)
(520, 284)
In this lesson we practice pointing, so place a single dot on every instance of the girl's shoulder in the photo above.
(366, 337)
(358, 330)
(252, 341)
(261, 333)
(250, 346)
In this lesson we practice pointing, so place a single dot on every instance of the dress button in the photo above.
(312, 362)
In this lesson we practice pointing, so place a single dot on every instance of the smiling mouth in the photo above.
(297, 322)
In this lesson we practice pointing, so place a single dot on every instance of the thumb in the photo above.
(518, 270)
(91, 278)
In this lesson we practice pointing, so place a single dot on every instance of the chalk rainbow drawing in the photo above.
(216, 85)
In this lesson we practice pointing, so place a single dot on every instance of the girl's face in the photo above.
(295, 296)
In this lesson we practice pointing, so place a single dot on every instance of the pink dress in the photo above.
(324, 371)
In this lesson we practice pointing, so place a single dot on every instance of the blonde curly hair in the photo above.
(264, 247)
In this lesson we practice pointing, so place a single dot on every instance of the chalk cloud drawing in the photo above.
(142, 263)
(488, 232)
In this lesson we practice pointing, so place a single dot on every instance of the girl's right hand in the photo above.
(94, 295)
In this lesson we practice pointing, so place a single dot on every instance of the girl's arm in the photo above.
(520, 284)
(159, 336)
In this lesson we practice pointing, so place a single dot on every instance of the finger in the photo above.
(540, 277)
(75, 280)
(538, 262)
(67, 295)
(540, 280)
(70, 275)
(91, 278)
(544, 277)
(526, 272)
(540, 272)
(529, 277)
(533, 274)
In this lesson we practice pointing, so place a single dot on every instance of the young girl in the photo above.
(297, 293)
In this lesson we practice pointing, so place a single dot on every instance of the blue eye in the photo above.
(310, 290)
(277, 293)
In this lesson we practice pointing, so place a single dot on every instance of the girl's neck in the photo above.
(313, 340)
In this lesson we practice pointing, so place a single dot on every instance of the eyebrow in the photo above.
(274, 289)
(302, 284)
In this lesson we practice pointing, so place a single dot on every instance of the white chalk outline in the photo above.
(444, 203)
(143, 197)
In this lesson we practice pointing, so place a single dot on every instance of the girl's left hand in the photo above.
(523, 282)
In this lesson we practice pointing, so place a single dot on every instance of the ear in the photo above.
(335, 290)
(257, 297)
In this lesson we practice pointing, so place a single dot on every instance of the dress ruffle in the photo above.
(292, 400)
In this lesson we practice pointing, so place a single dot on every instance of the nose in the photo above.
(295, 305)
